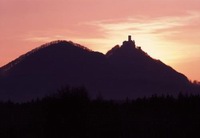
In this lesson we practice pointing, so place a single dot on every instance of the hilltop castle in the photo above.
(129, 43)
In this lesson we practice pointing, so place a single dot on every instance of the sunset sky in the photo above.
(168, 30)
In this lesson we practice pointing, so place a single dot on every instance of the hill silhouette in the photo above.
(124, 71)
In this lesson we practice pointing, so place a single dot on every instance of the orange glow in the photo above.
(167, 30)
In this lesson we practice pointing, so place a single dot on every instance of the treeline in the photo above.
(72, 114)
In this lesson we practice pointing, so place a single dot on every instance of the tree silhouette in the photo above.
(71, 113)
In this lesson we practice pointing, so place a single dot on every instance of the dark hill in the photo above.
(124, 71)
(49, 67)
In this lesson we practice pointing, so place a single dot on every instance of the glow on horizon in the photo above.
(167, 30)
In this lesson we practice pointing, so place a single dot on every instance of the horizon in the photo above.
(167, 30)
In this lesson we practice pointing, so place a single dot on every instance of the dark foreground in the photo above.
(71, 114)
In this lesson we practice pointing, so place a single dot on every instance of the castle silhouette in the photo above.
(130, 43)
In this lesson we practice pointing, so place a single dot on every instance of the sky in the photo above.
(166, 29)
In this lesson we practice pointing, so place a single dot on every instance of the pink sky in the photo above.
(166, 29)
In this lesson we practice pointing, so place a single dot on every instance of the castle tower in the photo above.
(130, 43)
(129, 38)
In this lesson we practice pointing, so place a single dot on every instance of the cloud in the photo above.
(166, 28)
(141, 24)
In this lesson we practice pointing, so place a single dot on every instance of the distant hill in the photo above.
(124, 71)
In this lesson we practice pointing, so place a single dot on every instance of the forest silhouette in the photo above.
(71, 113)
